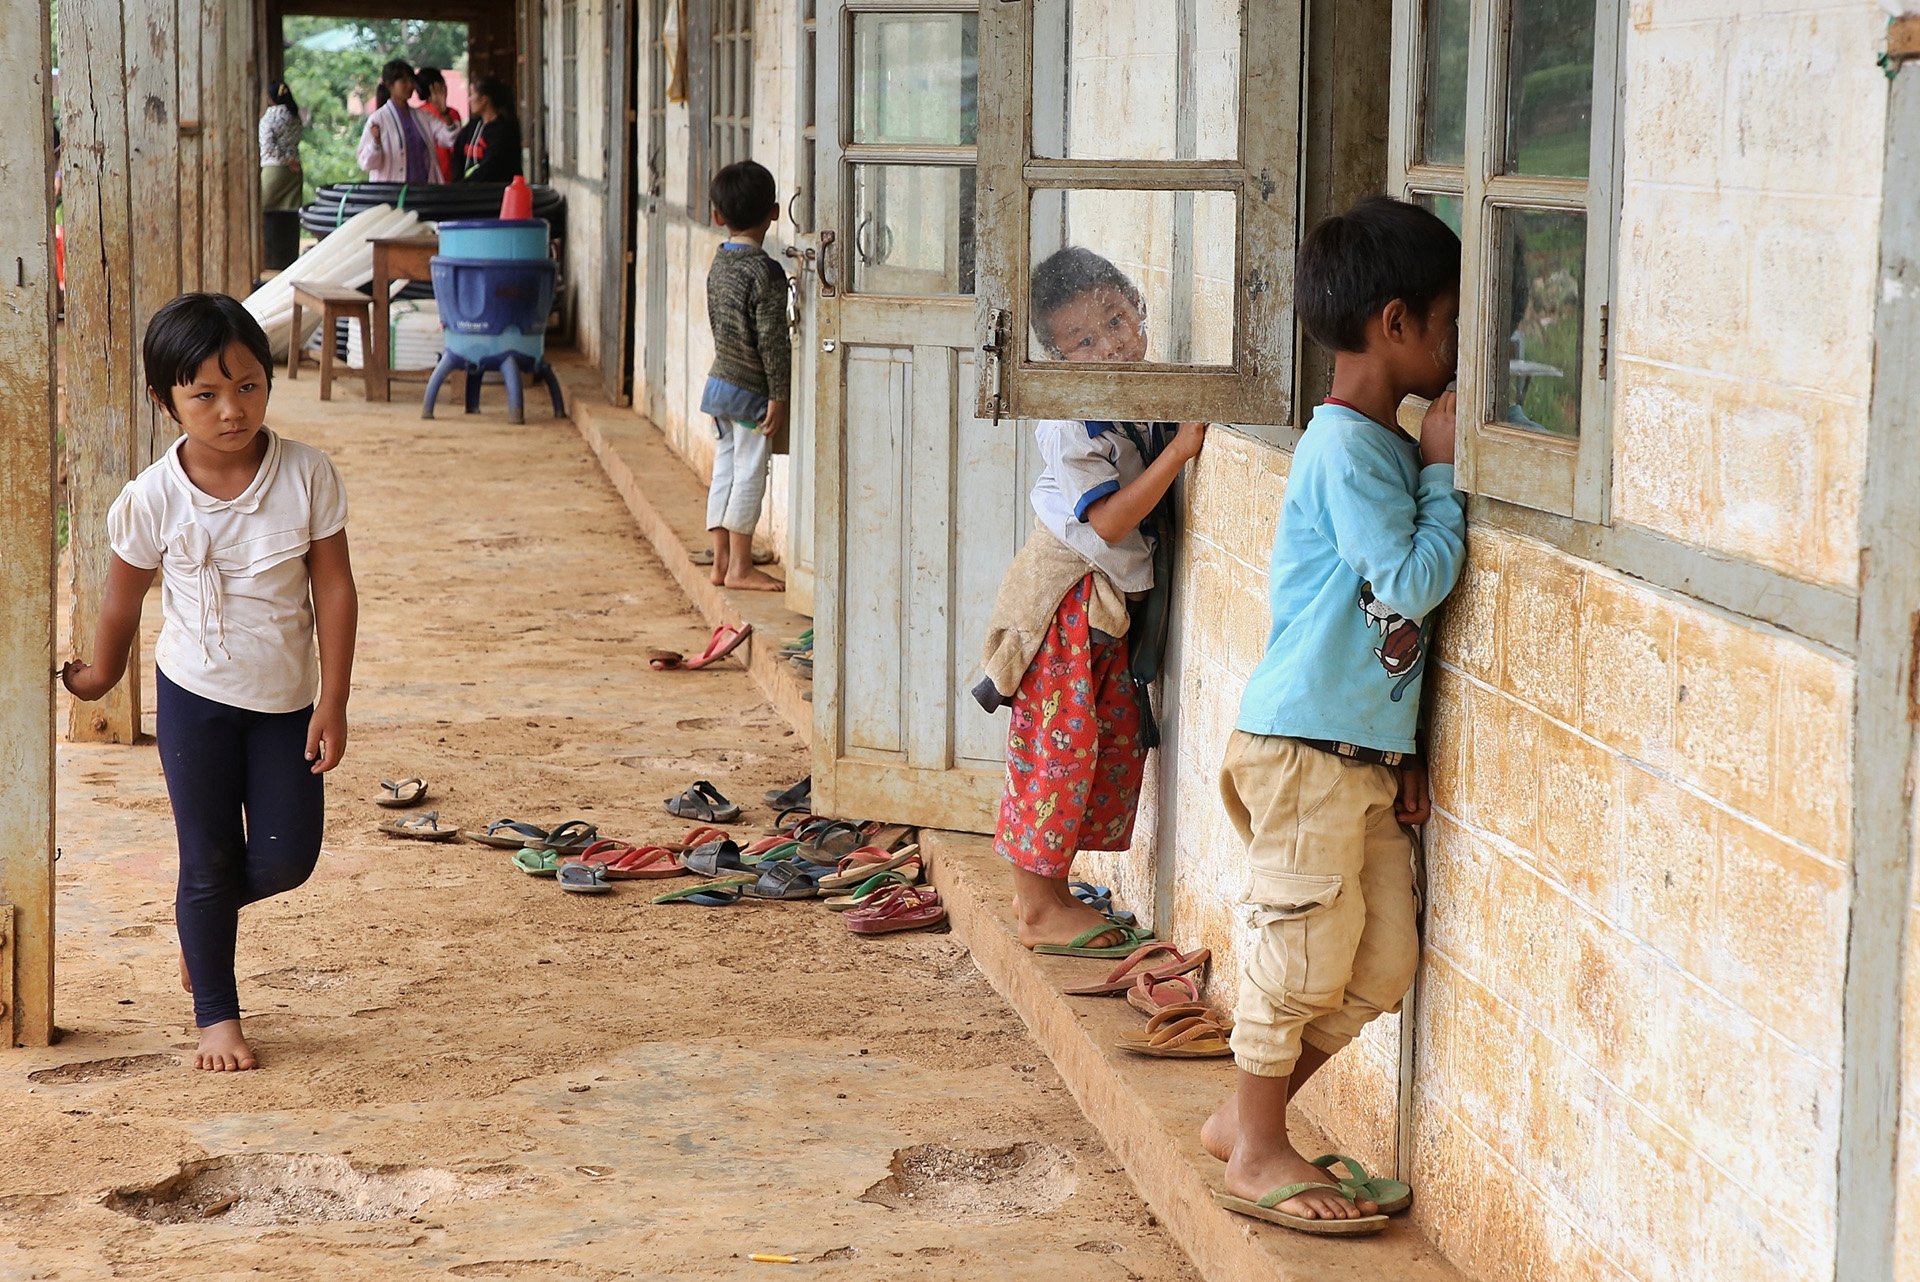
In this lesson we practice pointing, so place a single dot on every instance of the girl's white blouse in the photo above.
(236, 604)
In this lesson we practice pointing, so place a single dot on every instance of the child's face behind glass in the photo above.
(1099, 324)
(223, 410)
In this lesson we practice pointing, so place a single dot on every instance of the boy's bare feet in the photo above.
(751, 580)
(721, 558)
(1261, 1158)
(223, 1049)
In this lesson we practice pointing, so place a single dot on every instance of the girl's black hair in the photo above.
(283, 97)
(1353, 264)
(190, 330)
(424, 82)
(393, 71)
(1062, 277)
(497, 91)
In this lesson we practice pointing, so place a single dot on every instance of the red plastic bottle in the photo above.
(517, 201)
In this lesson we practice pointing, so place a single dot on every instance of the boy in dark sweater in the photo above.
(747, 384)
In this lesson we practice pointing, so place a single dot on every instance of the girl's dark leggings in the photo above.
(248, 810)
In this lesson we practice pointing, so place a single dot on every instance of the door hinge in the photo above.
(991, 398)
(1603, 340)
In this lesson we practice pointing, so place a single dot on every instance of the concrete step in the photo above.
(1149, 1111)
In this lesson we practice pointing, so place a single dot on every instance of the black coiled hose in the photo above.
(337, 202)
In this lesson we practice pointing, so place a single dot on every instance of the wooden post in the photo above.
(27, 289)
(101, 348)
(154, 180)
(189, 116)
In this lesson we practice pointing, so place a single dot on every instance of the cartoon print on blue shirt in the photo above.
(1400, 651)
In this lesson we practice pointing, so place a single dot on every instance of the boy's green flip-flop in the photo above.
(1267, 1208)
(1392, 1195)
(1131, 937)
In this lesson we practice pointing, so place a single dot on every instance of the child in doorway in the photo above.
(1057, 649)
(747, 384)
(247, 531)
(1323, 775)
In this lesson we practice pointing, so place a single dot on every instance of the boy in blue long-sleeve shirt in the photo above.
(1323, 772)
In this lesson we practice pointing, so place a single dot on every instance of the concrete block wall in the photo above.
(1747, 256)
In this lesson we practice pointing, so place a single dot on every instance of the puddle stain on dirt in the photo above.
(297, 1188)
(984, 1186)
(102, 1070)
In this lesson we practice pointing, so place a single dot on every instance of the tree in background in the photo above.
(334, 62)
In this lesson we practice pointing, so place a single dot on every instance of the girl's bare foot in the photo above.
(1043, 919)
(752, 580)
(223, 1049)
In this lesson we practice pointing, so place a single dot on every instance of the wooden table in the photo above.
(394, 258)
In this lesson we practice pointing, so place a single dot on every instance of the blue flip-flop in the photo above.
(583, 879)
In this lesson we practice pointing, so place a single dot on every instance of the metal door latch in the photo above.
(995, 322)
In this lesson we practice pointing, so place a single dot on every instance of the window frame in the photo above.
(570, 86)
(730, 105)
(1258, 387)
(1531, 469)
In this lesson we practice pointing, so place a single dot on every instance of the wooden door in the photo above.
(919, 504)
(654, 215)
(802, 253)
(616, 290)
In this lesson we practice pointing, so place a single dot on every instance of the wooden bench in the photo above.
(332, 302)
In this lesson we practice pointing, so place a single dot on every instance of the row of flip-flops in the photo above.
(1162, 982)
(699, 801)
(852, 867)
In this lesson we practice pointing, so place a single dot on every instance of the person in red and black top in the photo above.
(431, 89)
(488, 147)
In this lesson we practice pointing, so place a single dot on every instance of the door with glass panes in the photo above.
(919, 504)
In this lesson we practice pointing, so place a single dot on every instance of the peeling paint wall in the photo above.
(583, 181)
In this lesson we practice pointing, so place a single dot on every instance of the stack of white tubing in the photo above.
(344, 259)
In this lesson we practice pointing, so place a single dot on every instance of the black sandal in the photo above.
(702, 801)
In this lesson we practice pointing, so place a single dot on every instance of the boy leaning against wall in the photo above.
(748, 383)
(1323, 776)
(1060, 648)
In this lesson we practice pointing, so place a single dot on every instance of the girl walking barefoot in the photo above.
(247, 531)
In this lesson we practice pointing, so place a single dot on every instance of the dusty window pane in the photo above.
(1447, 207)
(915, 78)
(1543, 313)
(1550, 88)
(1443, 127)
(1127, 276)
(913, 229)
(1105, 71)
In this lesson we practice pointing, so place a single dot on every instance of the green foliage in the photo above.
(329, 60)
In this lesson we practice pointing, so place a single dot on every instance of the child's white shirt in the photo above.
(1085, 462)
(236, 604)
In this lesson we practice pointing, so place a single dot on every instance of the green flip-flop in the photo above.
(1131, 938)
(1392, 1196)
(537, 863)
(711, 894)
(867, 890)
(1267, 1209)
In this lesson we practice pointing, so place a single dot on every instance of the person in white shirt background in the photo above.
(247, 531)
(400, 142)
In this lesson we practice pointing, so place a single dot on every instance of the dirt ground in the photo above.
(467, 1073)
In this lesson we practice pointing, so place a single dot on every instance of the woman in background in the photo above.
(397, 145)
(488, 148)
(280, 131)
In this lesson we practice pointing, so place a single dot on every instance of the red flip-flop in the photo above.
(725, 640)
(901, 908)
(624, 861)
(698, 837)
